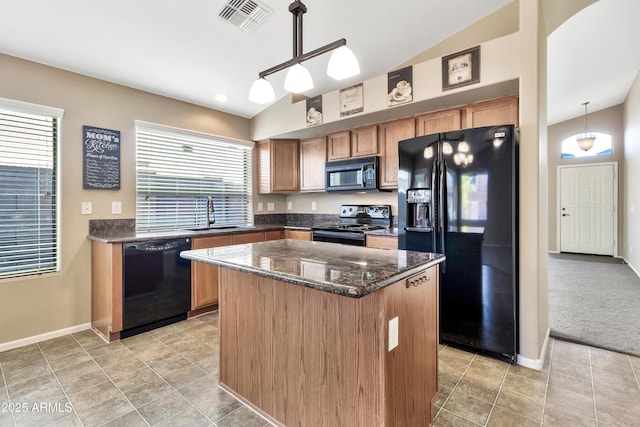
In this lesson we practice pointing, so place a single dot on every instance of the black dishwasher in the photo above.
(156, 285)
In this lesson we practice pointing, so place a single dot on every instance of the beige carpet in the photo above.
(594, 300)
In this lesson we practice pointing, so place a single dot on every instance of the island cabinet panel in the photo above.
(364, 141)
(411, 374)
(439, 121)
(304, 357)
(313, 156)
(204, 277)
(388, 136)
(106, 289)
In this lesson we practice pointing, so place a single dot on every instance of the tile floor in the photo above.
(168, 377)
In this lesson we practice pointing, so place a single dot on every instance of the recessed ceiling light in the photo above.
(221, 97)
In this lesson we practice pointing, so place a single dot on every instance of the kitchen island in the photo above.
(322, 334)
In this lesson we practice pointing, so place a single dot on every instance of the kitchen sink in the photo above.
(220, 227)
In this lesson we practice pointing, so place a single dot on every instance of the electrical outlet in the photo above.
(271, 207)
(86, 208)
(313, 206)
(393, 333)
(260, 206)
(116, 208)
(289, 205)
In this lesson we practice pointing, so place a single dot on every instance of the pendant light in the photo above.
(342, 64)
(586, 140)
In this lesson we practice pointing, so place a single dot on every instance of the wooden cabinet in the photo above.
(278, 166)
(297, 234)
(388, 136)
(204, 277)
(273, 235)
(364, 141)
(106, 289)
(239, 239)
(439, 121)
(500, 111)
(339, 145)
(313, 156)
(382, 242)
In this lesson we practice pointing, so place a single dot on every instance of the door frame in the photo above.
(615, 201)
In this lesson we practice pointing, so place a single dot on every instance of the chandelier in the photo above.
(342, 64)
(586, 140)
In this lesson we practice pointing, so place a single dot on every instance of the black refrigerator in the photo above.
(458, 195)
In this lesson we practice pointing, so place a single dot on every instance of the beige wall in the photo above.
(609, 120)
(32, 306)
(631, 176)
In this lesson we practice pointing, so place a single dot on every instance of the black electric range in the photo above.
(355, 221)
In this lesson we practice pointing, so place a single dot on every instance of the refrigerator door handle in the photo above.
(441, 207)
(432, 216)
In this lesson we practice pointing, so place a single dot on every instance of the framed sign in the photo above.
(314, 111)
(352, 100)
(400, 86)
(101, 158)
(461, 68)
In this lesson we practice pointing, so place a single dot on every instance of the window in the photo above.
(178, 170)
(29, 233)
(601, 147)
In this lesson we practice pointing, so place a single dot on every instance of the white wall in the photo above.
(631, 176)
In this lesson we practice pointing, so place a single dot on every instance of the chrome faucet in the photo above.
(211, 218)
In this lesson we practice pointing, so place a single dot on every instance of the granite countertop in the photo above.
(120, 236)
(346, 270)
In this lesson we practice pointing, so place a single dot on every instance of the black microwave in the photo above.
(356, 174)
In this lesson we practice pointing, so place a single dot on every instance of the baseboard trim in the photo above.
(631, 266)
(536, 364)
(43, 337)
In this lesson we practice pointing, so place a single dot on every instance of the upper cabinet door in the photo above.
(388, 136)
(440, 121)
(503, 111)
(364, 141)
(339, 145)
(278, 166)
(313, 156)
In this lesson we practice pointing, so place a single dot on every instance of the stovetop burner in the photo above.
(360, 218)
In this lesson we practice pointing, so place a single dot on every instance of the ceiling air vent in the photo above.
(244, 14)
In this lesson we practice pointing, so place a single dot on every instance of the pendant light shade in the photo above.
(298, 79)
(343, 64)
(586, 140)
(261, 92)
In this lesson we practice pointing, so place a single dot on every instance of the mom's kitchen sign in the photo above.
(101, 158)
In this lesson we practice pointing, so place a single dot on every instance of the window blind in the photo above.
(29, 233)
(178, 170)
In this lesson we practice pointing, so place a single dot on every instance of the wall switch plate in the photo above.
(313, 206)
(393, 333)
(116, 207)
(260, 206)
(289, 205)
(87, 208)
(271, 206)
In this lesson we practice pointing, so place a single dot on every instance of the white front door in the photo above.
(587, 214)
